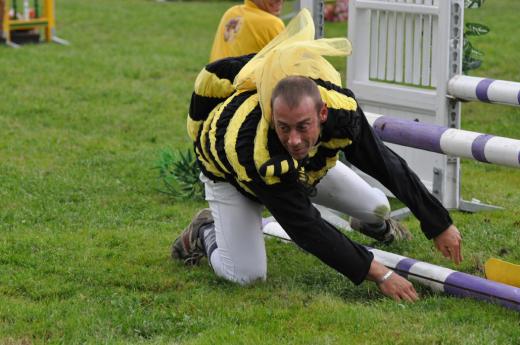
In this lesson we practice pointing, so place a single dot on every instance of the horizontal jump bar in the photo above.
(450, 141)
(485, 90)
(437, 278)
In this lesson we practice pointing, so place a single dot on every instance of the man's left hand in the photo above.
(449, 243)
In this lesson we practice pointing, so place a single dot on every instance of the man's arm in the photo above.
(303, 223)
(372, 156)
(291, 207)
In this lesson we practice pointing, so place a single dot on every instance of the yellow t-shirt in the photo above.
(244, 29)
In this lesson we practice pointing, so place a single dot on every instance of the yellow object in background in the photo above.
(46, 21)
(502, 272)
(244, 29)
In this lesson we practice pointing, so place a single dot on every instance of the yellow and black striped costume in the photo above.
(235, 143)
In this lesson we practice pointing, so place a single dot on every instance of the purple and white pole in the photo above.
(449, 281)
(437, 278)
(484, 90)
(450, 141)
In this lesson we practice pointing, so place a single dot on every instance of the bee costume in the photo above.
(245, 167)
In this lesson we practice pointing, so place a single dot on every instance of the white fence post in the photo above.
(405, 74)
(316, 7)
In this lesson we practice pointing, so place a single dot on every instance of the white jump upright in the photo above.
(404, 52)
(406, 63)
(316, 8)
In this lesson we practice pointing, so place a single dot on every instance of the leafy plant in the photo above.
(472, 57)
(179, 174)
(473, 3)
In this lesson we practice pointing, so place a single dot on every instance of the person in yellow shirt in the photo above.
(2, 14)
(247, 28)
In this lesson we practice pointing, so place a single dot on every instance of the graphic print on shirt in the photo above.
(232, 28)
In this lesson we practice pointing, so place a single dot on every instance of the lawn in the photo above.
(85, 234)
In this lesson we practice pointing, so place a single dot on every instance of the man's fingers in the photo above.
(451, 251)
(412, 294)
(449, 243)
(459, 252)
(445, 252)
(406, 292)
(408, 297)
(399, 289)
(396, 297)
(456, 255)
(456, 251)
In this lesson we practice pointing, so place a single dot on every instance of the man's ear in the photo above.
(323, 113)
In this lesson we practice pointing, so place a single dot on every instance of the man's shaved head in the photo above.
(294, 88)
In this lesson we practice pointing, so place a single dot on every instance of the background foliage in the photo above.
(472, 57)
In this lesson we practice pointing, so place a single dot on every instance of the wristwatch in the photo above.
(385, 277)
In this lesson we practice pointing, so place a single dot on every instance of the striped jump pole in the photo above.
(450, 141)
(484, 90)
(449, 281)
(437, 278)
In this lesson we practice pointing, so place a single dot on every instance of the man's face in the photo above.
(272, 6)
(299, 128)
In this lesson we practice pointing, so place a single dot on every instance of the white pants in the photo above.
(240, 256)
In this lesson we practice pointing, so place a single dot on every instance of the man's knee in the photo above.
(379, 211)
(246, 278)
(243, 275)
(382, 212)
(246, 273)
(251, 277)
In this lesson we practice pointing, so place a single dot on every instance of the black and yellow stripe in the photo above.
(234, 142)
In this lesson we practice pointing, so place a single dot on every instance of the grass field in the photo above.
(85, 235)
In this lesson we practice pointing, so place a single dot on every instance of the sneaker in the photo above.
(188, 247)
(394, 231)
(398, 231)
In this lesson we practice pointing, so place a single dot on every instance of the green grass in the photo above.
(85, 235)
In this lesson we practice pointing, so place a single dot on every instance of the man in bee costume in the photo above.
(267, 131)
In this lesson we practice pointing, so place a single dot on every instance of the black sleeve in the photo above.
(228, 68)
(293, 210)
(372, 156)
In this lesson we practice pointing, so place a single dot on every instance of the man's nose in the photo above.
(294, 138)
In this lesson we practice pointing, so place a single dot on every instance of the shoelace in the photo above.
(193, 259)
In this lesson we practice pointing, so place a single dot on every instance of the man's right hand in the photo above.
(395, 286)
(449, 243)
